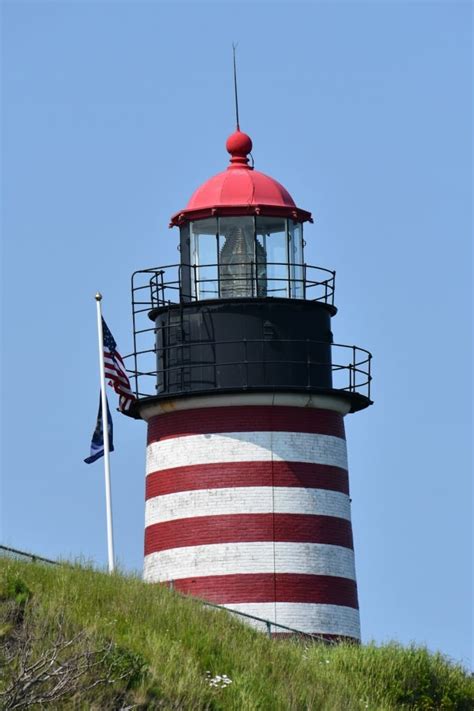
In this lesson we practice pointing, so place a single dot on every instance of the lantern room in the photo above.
(242, 312)
(241, 234)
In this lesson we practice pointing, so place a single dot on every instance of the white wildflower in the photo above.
(220, 681)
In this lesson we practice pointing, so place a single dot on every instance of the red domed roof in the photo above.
(240, 190)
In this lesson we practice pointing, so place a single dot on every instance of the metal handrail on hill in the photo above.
(268, 623)
(33, 558)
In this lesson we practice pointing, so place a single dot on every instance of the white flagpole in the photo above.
(105, 426)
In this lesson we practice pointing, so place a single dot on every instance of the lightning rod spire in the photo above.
(234, 47)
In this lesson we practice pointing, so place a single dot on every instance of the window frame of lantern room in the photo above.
(296, 250)
(198, 277)
(273, 241)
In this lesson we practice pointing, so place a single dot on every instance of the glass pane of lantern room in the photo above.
(273, 240)
(204, 277)
(295, 230)
(237, 262)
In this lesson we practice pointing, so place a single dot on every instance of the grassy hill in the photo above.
(76, 638)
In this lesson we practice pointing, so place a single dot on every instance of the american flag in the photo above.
(115, 370)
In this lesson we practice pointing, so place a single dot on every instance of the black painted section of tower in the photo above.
(243, 345)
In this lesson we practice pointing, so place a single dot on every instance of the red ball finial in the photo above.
(239, 146)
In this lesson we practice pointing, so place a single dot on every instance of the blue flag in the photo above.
(97, 444)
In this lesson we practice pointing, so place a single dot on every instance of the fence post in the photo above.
(135, 359)
(195, 283)
(162, 285)
(354, 377)
(269, 627)
(369, 373)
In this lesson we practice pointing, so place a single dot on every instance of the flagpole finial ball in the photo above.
(98, 296)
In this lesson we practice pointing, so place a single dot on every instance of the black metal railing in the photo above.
(175, 283)
(9, 552)
(160, 365)
(168, 369)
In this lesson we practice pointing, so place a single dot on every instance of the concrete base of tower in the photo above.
(247, 506)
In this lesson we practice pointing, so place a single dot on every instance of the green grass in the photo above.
(172, 642)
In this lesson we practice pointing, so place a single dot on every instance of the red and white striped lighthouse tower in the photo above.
(244, 393)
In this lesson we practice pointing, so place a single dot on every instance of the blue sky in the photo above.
(112, 114)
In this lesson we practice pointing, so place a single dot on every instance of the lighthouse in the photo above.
(244, 391)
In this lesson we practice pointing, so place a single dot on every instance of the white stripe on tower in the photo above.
(246, 447)
(249, 499)
(245, 558)
(335, 620)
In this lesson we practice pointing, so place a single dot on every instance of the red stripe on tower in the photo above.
(213, 476)
(282, 587)
(236, 419)
(240, 528)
